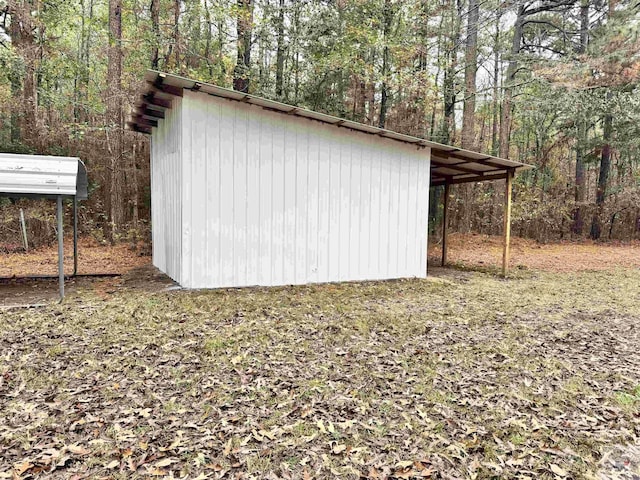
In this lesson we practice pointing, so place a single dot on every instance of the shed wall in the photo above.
(270, 199)
(166, 192)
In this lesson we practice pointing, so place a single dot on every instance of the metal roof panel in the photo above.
(483, 163)
(42, 175)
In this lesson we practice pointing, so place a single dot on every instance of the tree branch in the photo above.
(548, 6)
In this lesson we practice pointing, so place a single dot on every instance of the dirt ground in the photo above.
(92, 258)
(474, 250)
(466, 251)
(131, 268)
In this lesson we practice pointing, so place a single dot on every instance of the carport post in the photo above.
(507, 222)
(445, 219)
(75, 235)
(60, 248)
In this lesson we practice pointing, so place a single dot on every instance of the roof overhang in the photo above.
(42, 176)
(449, 164)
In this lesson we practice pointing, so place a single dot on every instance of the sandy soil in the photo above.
(92, 258)
(130, 267)
(473, 250)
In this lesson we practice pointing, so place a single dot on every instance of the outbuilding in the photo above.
(47, 177)
(248, 191)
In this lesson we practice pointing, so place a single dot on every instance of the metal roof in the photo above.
(42, 176)
(449, 164)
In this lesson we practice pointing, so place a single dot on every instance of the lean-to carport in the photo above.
(47, 177)
(453, 167)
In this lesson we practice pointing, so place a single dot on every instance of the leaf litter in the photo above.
(462, 376)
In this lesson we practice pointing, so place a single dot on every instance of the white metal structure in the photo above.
(244, 196)
(248, 191)
(52, 177)
(42, 175)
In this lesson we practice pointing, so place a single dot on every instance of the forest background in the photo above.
(552, 83)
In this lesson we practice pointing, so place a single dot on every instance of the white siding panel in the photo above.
(240, 197)
(335, 164)
(278, 208)
(313, 202)
(227, 184)
(253, 200)
(166, 187)
(301, 202)
(290, 189)
(265, 206)
(273, 199)
(403, 213)
(195, 212)
(324, 204)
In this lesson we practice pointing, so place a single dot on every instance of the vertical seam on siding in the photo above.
(307, 266)
(295, 204)
(259, 259)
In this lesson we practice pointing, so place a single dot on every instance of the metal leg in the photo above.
(75, 236)
(60, 248)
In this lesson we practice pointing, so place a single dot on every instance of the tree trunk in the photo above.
(505, 123)
(581, 178)
(496, 86)
(280, 51)
(135, 213)
(603, 177)
(296, 56)
(81, 90)
(470, 70)
(155, 27)
(243, 62)
(114, 117)
(177, 52)
(387, 17)
(209, 35)
(448, 83)
(22, 31)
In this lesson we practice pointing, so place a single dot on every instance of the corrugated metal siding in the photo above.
(38, 174)
(270, 200)
(166, 188)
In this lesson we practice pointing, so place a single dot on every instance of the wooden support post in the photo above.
(60, 247)
(23, 226)
(445, 220)
(507, 223)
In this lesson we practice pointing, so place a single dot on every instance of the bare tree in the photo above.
(244, 23)
(114, 117)
(470, 70)
(280, 51)
(581, 177)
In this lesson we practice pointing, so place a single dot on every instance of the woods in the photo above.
(553, 83)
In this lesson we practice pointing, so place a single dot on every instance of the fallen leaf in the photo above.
(557, 470)
(165, 462)
(338, 448)
(78, 450)
(22, 467)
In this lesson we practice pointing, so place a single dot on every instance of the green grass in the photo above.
(468, 374)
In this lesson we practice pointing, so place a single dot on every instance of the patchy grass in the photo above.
(464, 376)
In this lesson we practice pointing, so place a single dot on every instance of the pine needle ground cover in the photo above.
(461, 376)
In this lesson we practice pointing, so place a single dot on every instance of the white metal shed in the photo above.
(50, 177)
(248, 191)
